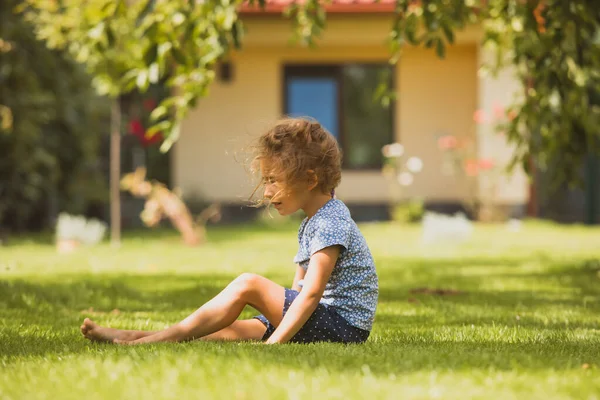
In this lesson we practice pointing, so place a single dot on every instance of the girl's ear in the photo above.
(313, 179)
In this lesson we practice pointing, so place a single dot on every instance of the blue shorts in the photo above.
(324, 325)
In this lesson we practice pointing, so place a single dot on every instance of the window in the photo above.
(341, 98)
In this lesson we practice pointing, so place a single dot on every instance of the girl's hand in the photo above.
(269, 341)
(319, 270)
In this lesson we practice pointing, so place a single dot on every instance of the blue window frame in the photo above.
(342, 98)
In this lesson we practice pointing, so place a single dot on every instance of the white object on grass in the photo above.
(514, 225)
(78, 229)
(440, 228)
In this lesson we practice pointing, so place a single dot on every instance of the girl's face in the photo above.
(285, 199)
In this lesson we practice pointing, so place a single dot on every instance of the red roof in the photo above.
(334, 6)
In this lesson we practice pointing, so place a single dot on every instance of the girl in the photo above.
(335, 290)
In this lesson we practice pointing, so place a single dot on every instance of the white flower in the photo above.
(405, 178)
(414, 164)
(385, 150)
(393, 150)
(554, 100)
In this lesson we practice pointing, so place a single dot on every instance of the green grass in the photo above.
(526, 323)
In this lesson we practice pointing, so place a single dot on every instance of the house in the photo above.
(334, 83)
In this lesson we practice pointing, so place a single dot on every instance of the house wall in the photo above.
(434, 97)
(495, 93)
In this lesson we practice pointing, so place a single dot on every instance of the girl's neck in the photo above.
(315, 203)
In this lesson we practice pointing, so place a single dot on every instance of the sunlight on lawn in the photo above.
(521, 319)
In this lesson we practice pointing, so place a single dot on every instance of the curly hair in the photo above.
(295, 146)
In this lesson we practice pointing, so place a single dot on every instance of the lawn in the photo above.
(523, 322)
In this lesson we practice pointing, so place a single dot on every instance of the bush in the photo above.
(410, 212)
(49, 159)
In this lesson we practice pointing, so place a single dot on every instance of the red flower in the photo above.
(471, 167)
(136, 127)
(148, 140)
(485, 164)
(480, 117)
(498, 111)
(447, 142)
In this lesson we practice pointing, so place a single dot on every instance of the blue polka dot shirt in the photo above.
(353, 287)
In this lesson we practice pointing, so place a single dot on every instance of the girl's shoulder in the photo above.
(334, 214)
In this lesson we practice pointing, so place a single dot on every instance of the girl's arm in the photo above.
(300, 273)
(319, 269)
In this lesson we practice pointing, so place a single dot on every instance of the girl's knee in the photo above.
(245, 283)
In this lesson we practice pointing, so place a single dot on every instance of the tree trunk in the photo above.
(591, 173)
(115, 173)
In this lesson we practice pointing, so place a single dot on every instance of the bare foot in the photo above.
(97, 333)
(123, 342)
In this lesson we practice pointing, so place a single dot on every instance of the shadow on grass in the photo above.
(42, 318)
(124, 292)
(381, 356)
(573, 282)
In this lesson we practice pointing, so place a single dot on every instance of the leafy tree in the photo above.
(128, 45)
(553, 44)
(554, 47)
(49, 132)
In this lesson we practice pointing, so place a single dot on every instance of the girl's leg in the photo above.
(247, 329)
(250, 329)
(98, 333)
(223, 310)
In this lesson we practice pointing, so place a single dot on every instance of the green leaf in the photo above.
(448, 32)
(151, 54)
(410, 29)
(178, 19)
(110, 36)
(163, 48)
(129, 86)
(121, 8)
(153, 73)
(145, 11)
(168, 102)
(161, 126)
(230, 18)
(150, 31)
(178, 56)
(142, 79)
(103, 85)
(171, 139)
(158, 113)
(440, 48)
(237, 32)
(109, 8)
(97, 31)
(6, 119)
(130, 76)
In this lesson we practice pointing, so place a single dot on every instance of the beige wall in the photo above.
(497, 92)
(435, 97)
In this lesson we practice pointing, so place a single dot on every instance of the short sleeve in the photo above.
(330, 232)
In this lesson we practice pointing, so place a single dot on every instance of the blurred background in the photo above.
(432, 145)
